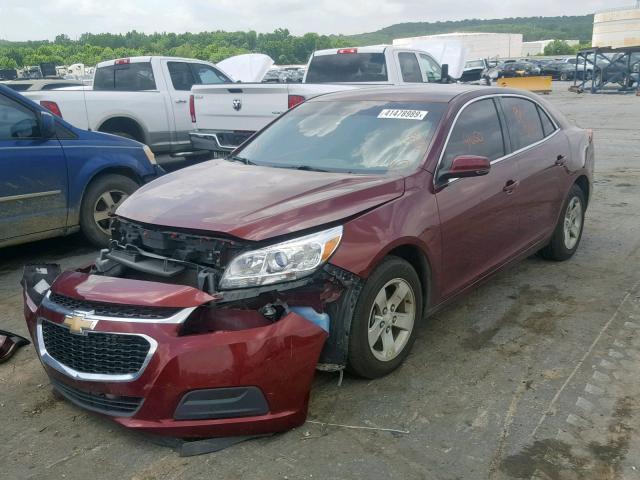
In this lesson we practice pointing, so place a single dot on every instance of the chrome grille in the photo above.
(95, 352)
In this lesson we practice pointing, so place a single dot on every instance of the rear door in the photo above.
(183, 76)
(33, 190)
(478, 215)
(541, 150)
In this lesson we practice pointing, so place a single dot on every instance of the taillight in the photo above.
(52, 107)
(122, 61)
(590, 135)
(295, 100)
(192, 108)
(347, 50)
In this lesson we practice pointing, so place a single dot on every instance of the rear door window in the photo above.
(128, 77)
(409, 67)
(181, 75)
(525, 127)
(477, 132)
(347, 67)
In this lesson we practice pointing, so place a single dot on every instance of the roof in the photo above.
(432, 93)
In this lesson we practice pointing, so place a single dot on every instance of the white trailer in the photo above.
(476, 45)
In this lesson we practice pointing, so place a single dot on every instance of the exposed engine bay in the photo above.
(154, 253)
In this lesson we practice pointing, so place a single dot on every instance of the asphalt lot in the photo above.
(533, 375)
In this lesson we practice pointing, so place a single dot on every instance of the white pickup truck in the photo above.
(224, 116)
(144, 98)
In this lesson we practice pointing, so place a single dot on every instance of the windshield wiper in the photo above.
(236, 158)
(309, 168)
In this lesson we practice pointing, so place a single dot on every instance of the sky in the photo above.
(44, 19)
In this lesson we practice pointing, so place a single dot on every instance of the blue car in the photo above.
(56, 179)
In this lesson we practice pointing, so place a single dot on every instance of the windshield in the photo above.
(355, 137)
(347, 67)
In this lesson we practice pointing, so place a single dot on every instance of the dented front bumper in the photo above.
(121, 347)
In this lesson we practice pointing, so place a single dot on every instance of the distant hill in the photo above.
(280, 45)
(532, 28)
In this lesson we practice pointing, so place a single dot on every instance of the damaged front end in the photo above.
(150, 336)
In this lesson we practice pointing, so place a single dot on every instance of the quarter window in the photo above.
(477, 132)
(16, 121)
(409, 67)
(128, 77)
(181, 75)
(547, 125)
(523, 120)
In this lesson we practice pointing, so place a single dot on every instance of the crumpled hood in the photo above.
(256, 203)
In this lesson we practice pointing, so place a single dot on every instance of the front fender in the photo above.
(86, 162)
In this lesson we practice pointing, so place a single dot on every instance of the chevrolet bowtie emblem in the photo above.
(78, 324)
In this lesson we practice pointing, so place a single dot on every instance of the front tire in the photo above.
(103, 195)
(385, 319)
(568, 232)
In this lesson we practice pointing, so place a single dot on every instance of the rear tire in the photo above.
(564, 77)
(385, 319)
(568, 232)
(101, 198)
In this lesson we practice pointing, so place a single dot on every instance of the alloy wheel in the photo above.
(106, 206)
(572, 223)
(392, 319)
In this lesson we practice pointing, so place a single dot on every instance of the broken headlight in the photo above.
(281, 262)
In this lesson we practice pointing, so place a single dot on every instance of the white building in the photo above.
(537, 47)
(617, 28)
(476, 45)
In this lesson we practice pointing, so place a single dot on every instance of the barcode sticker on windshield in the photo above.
(401, 114)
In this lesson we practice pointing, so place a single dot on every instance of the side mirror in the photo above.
(465, 166)
(47, 125)
(444, 69)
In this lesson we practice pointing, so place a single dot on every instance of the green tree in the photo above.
(558, 47)
(6, 62)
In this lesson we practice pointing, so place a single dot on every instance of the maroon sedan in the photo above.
(320, 243)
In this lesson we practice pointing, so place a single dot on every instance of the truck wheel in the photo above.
(568, 232)
(385, 319)
(103, 195)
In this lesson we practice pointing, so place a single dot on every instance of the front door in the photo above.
(478, 219)
(33, 182)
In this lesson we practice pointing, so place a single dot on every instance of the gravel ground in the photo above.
(533, 375)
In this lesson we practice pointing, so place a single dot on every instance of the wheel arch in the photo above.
(109, 170)
(583, 182)
(126, 124)
(419, 260)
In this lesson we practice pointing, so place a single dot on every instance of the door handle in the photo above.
(560, 160)
(510, 186)
(181, 101)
